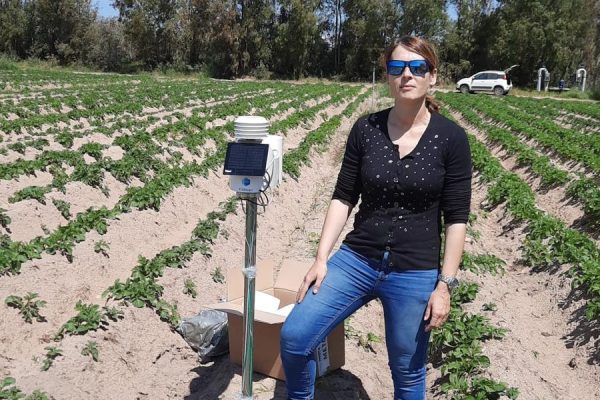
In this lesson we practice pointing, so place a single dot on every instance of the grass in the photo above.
(571, 94)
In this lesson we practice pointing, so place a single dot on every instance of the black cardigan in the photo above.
(403, 199)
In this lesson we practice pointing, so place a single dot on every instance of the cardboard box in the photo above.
(330, 354)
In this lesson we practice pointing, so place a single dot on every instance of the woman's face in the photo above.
(407, 86)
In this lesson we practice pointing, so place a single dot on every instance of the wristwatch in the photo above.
(451, 281)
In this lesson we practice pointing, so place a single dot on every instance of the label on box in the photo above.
(322, 358)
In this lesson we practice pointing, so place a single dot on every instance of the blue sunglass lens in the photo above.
(395, 70)
(417, 67)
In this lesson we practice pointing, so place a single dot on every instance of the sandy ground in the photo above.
(549, 352)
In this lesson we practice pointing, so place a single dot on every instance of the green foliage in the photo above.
(482, 263)
(31, 192)
(90, 349)
(167, 312)
(113, 313)
(52, 353)
(189, 288)
(4, 220)
(294, 159)
(8, 391)
(63, 207)
(349, 330)
(464, 293)
(313, 240)
(90, 317)
(92, 149)
(365, 22)
(366, 341)
(217, 275)
(548, 240)
(28, 306)
(295, 37)
(102, 247)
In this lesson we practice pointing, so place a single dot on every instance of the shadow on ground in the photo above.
(585, 332)
(214, 379)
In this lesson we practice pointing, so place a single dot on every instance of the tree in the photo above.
(459, 46)
(14, 38)
(150, 26)
(256, 34)
(297, 37)
(332, 14)
(367, 30)
(426, 18)
(535, 33)
(58, 28)
(107, 45)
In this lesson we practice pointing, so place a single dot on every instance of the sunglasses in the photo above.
(416, 67)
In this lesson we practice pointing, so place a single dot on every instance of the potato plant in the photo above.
(29, 306)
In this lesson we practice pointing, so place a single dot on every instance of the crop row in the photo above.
(24, 81)
(293, 159)
(570, 144)
(85, 100)
(52, 100)
(582, 189)
(548, 241)
(70, 157)
(165, 178)
(142, 289)
(456, 346)
(107, 124)
(586, 113)
(580, 123)
(9, 391)
(123, 101)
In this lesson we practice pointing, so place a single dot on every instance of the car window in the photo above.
(480, 76)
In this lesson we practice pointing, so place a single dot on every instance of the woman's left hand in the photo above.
(438, 307)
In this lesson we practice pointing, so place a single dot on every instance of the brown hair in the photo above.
(422, 47)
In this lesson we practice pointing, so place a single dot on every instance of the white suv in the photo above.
(497, 82)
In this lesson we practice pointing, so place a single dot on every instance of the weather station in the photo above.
(254, 165)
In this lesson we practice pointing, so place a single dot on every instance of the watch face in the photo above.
(449, 280)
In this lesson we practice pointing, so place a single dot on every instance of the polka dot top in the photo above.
(403, 199)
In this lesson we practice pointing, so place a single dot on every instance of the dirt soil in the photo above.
(549, 353)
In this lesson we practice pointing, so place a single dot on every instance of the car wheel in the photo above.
(498, 90)
(464, 89)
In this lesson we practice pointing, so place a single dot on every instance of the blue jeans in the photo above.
(352, 281)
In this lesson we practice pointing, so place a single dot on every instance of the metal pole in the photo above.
(249, 288)
(373, 92)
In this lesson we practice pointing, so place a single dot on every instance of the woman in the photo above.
(409, 166)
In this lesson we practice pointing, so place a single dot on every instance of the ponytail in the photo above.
(431, 104)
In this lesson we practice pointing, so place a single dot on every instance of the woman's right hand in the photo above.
(316, 274)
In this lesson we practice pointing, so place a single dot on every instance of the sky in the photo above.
(106, 9)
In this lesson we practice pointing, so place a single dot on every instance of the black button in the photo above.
(387, 248)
